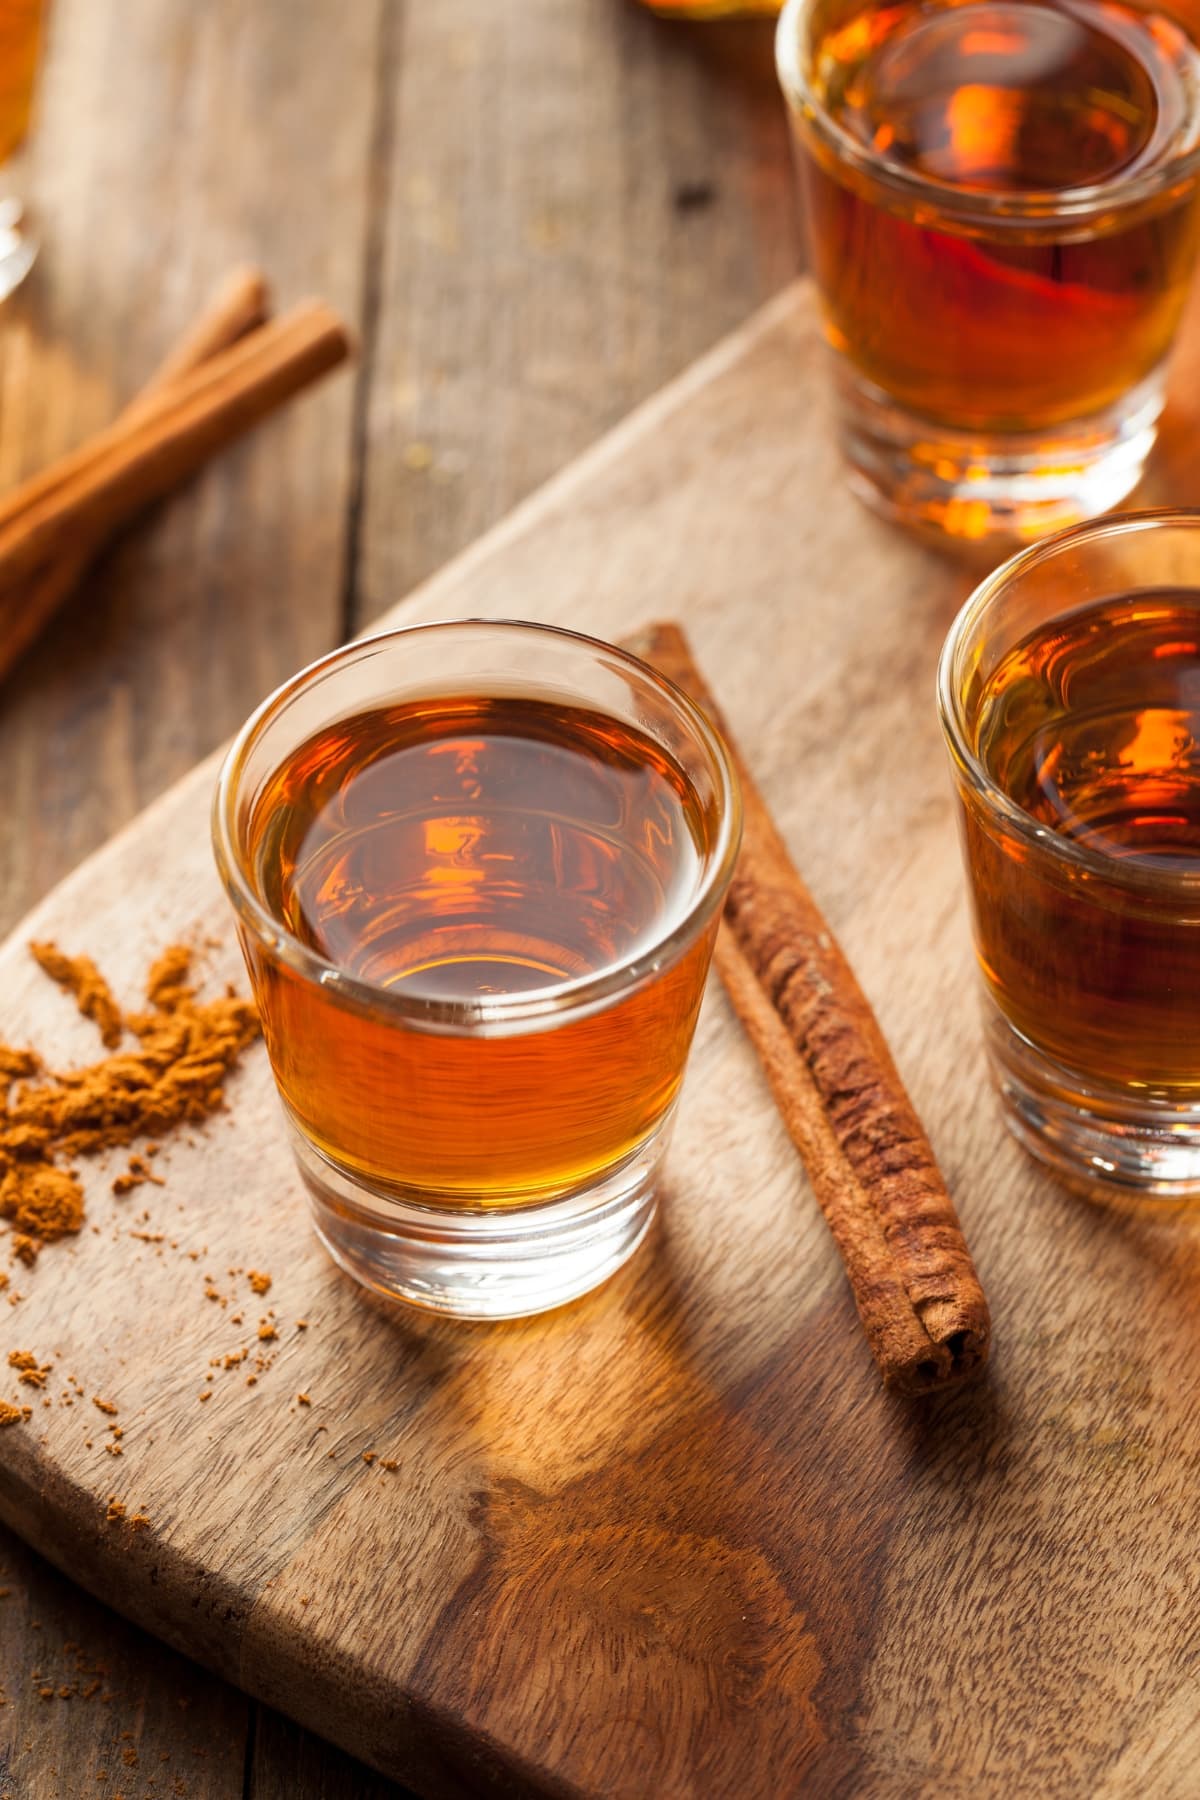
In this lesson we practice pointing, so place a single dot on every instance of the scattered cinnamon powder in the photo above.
(93, 996)
(31, 1372)
(42, 1202)
(174, 1074)
(139, 1170)
(168, 1066)
(16, 1065)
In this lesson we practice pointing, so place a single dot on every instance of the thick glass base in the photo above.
(18, 248)
(1092, 1133)
(1001, 487)
(502, 1264)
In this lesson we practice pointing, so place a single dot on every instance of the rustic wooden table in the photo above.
(535, 212)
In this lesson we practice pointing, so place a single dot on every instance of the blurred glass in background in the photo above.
(715, 9)
(20, 42)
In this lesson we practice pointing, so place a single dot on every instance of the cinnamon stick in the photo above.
(242, 303)
(841, 1097)
(172, 435)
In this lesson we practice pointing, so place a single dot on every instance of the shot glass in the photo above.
(1069, 693)
(21, 28)
(477, 870)
(1002, 204)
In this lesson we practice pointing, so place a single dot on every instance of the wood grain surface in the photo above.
(330, 142)
(673, 1539)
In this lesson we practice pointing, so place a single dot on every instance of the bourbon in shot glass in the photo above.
(478, 870)
(21, 29)
(1001, 199)
(1069, 691)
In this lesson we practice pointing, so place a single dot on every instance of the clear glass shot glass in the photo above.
(1002, 204)
(21, 29)
(1069, 694)
(478, 870)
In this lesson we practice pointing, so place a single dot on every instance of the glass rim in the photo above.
(1016, 211)
(580, 994)
(955, 726)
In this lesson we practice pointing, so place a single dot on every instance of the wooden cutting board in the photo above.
(673, 1540)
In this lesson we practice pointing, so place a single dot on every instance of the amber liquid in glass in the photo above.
(1092, 725)
(983, 327)
(456, 850)
(715, 9)
(20, 34)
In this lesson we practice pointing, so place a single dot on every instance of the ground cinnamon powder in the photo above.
(180, 1050)
(80, 976)
(43, 1202)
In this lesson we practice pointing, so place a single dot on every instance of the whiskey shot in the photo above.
(1001, 203)
(478, 870)
(1069, 691)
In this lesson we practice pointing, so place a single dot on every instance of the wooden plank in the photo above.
(611, 195)
(673, 1539)
(241, 576)
(80, 1715)
(288, 1762)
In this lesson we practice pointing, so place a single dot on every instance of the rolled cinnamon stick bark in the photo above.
(137, 461)
(242, 303)
(841, 1097)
